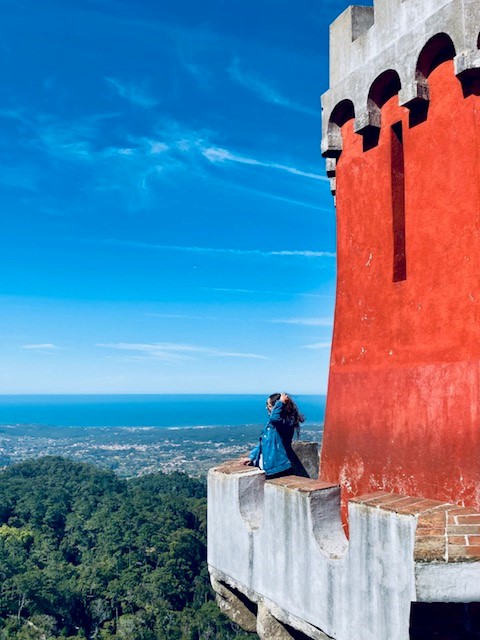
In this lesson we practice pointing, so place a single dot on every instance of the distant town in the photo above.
(135, 451)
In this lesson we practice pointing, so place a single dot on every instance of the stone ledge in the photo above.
(234, 466)
(306, 485)
(445, 532)
(305, 461)
(281, 542)
(254, 613)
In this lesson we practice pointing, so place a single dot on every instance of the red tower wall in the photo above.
(403, 408)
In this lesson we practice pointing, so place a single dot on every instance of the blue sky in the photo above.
(167, 225)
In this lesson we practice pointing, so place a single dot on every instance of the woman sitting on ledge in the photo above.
(274, 454)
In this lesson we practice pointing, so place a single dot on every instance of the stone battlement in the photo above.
(278, 556)
(389, 38)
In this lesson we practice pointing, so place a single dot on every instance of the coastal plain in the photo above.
(135, 451)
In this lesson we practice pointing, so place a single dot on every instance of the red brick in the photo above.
(457, 553)
(458, 540)
(463, 553)
(234, 466)
(462, 529)
(431, 520)
(469, 519)
(367, 498)
(434, 504)
(430, 548)
(462, 511)
(473, 540)
(410, 506)
(430, 531)
(301, 484)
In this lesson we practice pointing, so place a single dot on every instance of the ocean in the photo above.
(138, 434)
(145, 410)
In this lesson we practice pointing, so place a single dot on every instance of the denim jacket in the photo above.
(275, 443)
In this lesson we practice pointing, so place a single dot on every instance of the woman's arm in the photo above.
(252, 456)
(276, 415)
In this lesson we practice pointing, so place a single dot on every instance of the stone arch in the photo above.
(467, 69)
(384, 87)
(438, 49)
(341, 113)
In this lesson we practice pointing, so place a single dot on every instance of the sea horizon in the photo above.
(152, 410)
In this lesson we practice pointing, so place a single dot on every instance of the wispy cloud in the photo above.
(318, 345)
(305, 254)
(308, 322)
(180, 316)
(263, 292)
(219, 155)
(136, 94)
(278, 198)
(135, 165)
(44, 347)
(173, 352)
(220, 250)
(265, 90)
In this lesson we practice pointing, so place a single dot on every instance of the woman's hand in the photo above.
(284, 398)
(245, 461)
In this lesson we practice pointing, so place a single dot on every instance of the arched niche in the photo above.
(368, 124)
(470, 75)
(384, 87)
(341, 113)
(437, 50)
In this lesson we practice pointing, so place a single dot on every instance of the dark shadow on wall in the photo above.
(445, 621)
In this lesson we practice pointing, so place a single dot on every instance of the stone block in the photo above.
(234, 606)
(307, 459)
(268, 627)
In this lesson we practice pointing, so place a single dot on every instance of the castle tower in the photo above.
(401, 451)
(401, 132)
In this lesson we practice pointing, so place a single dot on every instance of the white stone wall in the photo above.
(283, 545)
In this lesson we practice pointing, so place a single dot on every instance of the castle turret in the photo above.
(401, 130)
(400, 462)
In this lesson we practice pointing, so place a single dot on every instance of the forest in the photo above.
(86, 554)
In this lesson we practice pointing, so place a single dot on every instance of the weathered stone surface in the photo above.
(268, 627)
(299, 564)
(234, 607)
(307, 458)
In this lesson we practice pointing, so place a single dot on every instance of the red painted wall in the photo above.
(403, 407)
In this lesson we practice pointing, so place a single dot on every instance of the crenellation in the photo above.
(365, 42)
(362, 20)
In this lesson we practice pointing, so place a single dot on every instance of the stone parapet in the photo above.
(366, 42)
(279, 546)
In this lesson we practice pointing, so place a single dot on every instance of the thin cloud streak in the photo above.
(133, 93)
(265, 90)
(224, 251)
(218, 155)
(308, 322)
(48, 346)
(176, 352)
(318, 345)
(272, 196)
(180, 316)
(263, 292)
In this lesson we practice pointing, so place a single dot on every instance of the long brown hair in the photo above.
(290, 411)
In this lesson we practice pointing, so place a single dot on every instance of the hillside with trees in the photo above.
(85, 554)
